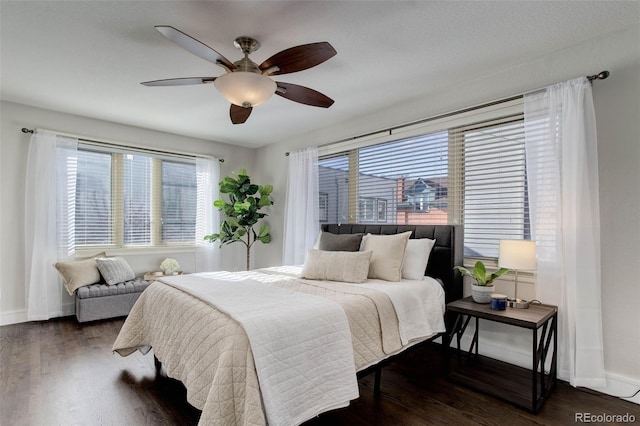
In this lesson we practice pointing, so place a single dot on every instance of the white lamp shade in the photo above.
(244, 88)
(518, 255)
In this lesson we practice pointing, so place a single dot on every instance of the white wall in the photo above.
(618, 116)
(13, 159)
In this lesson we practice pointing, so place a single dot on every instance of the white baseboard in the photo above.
(621, 387)
(20, 315)
(13, 317)
(510, 354)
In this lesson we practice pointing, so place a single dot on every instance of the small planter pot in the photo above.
(482, 294)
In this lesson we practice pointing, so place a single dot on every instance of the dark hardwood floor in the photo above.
(59, 372)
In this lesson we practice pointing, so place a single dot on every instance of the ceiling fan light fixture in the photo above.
(245, 89)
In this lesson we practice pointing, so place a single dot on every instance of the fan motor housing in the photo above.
(247, 45)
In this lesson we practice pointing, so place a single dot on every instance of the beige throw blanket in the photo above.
(210, 353)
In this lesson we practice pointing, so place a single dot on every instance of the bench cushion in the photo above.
(101, 290)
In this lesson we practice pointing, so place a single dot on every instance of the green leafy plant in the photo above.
(479, 273)
(242, 211)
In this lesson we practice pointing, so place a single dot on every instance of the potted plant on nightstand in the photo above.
(483, 287)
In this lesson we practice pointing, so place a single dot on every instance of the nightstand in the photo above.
(521, 386)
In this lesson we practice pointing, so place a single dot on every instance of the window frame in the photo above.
(117, 244)
(451, 123)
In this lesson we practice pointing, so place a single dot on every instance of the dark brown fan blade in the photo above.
(299, 58)
(179, 81)
(303, 95)
(194, 46)
(239, 114)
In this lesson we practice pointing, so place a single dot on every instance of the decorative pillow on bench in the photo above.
(78, 273)
(115, 270)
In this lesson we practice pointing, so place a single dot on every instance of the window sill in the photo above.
(86, 252)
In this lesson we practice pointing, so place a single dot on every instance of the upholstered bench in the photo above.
(101, 301)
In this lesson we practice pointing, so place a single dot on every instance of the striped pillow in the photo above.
(114, 270)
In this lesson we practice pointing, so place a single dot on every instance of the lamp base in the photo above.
(518, 303)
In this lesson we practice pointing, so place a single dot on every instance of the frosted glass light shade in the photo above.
(519, 255)
(244, 88)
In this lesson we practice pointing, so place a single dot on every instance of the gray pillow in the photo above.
(339, 242)
(350, 267)
(114, 270)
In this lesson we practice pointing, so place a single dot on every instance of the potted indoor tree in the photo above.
(243, 210)
(483, 287)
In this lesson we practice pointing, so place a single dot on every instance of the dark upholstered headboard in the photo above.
(447, 252)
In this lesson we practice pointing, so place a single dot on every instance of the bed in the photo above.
(282, 353)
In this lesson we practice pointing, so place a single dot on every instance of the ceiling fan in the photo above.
(247, 84)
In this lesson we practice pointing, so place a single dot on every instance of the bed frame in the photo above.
(447, 253)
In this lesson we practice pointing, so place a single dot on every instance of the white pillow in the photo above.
(345, 266)
(388, 255)
(416, 258)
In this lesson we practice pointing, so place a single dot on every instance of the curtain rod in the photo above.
(600, 76)
(25, 130)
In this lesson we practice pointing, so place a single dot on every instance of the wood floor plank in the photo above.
(59, 372)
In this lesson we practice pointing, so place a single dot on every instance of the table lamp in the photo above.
(517, 255)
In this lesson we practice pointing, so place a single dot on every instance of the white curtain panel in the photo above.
(301, 211)
(50, 221)
(562, 170)
(207, 216)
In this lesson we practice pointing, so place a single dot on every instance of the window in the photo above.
(132, 199)
(495, 204)
(366, 210)
(381, 206)
(94, 223)
(469, 170)
(323, 205)
(178, 201)
(394, 182)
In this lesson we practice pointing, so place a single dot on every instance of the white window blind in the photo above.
(130, 198)
(93, 218)
(472, 174)
(136, 196)
(494, 205)
(179, 192)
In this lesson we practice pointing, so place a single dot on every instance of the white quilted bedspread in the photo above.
(301, 343)
(210, 353)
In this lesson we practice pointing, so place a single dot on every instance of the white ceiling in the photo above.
(88, 57)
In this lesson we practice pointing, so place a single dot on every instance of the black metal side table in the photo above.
(521, 386)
